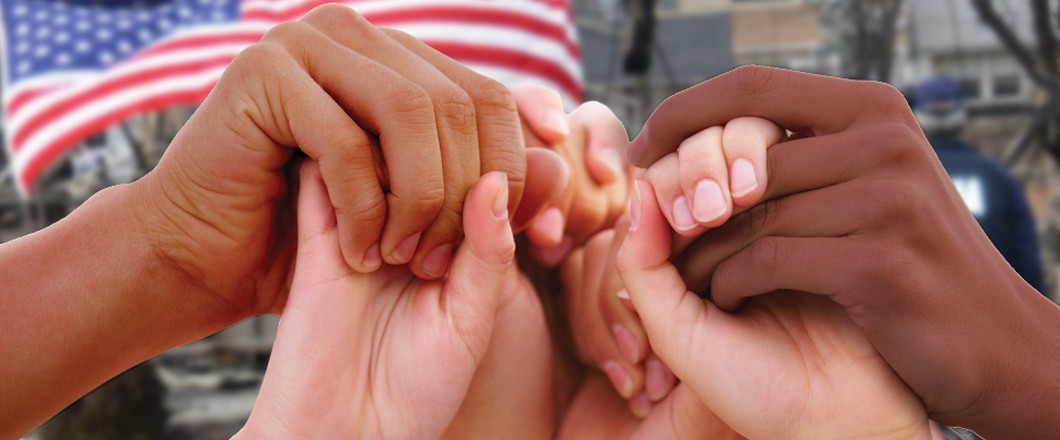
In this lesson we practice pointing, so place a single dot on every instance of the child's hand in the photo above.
(598, 413)
(605, 330)
(592, 143)
(785, 366)
(714, 170)
(385, 354)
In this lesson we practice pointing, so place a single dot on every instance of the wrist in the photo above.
(1022, 393)
(170, 253)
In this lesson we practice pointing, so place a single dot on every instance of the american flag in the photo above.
(74, 67)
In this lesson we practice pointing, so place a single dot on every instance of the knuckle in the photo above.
(337, 12)
(455, 106)
(427, 200)
(287, 33)
(491, 96)
(753, 80)
(367, 209)
(764, 254)
(411, 101)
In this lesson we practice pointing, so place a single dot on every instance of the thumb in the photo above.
(318, 245)
(484, 263)
(669, 312)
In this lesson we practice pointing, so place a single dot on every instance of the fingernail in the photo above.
(627, 343)
(612, 160)
(622, 294)
(437, 260)
(708, 201)
(640, 405)
(743, 177)
(656, 379)
(557, 121)
(372, 258)
(553, 256)
(683, 214)
(619, 378)
(634, 207)
(551, 224)
(500, 200)
(403, 252)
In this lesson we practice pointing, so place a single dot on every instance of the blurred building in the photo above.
(947, 37)
(692, 42)
(781, 33)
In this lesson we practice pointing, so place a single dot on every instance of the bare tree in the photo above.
(864, 32)
(1039, 60)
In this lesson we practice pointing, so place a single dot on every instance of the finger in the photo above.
(501, 143)
(836, 159)
(542, 110)
(612, 349)
(745, 142)
(316, 217)
(792, 263)
(607, 141)
(392, 107)
(552, 256)
(704, 177)
(778, 95)
(546, 230)
(658, 379)
(547, 178)
(484, 263)
(455, 118)
(666, 308)
(810, 214)
(640, 405)
(664, 177)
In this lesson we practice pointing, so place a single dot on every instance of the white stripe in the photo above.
(495, 36)
(538, 10)
(516, 78)
(165, 59)
(75, 117)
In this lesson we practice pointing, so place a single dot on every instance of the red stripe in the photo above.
(52, 151)
(453, 14)
(200, 41)
(521, 62)
(25, 96)
(478, 16)
(108, 87)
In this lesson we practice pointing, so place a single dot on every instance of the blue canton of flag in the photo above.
(45, 36)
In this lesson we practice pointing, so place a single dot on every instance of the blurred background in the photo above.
(982, 75)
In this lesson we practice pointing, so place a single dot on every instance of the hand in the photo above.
(605, 331)
(591, 141)
(385, 354)
(399, 144)
(859, 209)
(598, 413)
(787, 366)
(713, 170)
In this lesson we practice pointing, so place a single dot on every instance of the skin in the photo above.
(787, 366)
(385, 354)
(877, 228)
(208, 237)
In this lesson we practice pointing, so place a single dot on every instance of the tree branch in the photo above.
(1043, 27)
(989, 16)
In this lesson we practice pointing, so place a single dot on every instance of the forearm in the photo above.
(84, 300)
(1024, 397)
